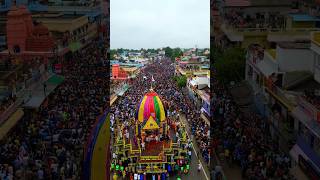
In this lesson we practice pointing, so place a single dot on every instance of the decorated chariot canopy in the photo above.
(151, 111)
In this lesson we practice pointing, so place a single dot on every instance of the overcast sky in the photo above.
(136, 24)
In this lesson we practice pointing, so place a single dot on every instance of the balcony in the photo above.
(310, 107)
(280, 95)
(290, 34)
(236, 27)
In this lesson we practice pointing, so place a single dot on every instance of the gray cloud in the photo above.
(139, 24)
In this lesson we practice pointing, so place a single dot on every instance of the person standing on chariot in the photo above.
(143, 145)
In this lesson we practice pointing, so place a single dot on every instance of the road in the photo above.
(194, 174)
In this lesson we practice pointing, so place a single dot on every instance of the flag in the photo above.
(153, 79)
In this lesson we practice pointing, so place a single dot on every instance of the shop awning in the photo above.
(266, 69)
(113, 99)
(11, 122)
(193, 83)
(56, 80)
(74, 46)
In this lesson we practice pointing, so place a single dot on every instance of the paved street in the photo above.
(194, 174)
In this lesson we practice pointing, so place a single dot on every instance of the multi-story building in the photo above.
(282, 67)
(199, 90)
(95, 11)
(264, 22)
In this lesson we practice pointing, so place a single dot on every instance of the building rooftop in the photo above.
(309, 84)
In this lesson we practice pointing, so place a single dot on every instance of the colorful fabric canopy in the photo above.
(151, 105)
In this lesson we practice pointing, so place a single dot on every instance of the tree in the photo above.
(177, 52)
(229, 64)
(112, 53)
(180, 80)
(173, 53)
(168, 51)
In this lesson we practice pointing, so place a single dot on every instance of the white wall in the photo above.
(295, 59)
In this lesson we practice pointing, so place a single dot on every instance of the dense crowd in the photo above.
(244, 139)
(268, 21)
(48, 143)
(174, 100)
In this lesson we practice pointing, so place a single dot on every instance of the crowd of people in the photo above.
(244, 139)
(259, 20)
(48, 143)
(176, 102)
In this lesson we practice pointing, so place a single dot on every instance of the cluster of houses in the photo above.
(195, 65)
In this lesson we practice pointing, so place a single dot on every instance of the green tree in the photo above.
(229, 64)
(173, 53)
(180, 80)
(177, 52)
(168, 51)
(112, 53)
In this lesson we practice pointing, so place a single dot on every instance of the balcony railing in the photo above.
(10, 110)
(309, 108)
(315, 38)
(280, 95)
